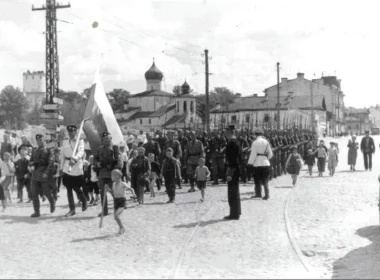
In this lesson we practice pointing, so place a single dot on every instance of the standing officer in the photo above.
(42, 162)
(194, 151)
(233, 154)
(261, 153)
(106, 158)
(73, 179)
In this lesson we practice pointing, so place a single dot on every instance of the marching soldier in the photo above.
(107, 158)
(244, 157)
(278, 154)
(183, 140)
(42, 162)
(194, 151)
(284, 150)
(72, 169)
(233, 172)
(217, 149)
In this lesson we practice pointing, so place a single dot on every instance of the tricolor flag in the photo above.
(99, 117)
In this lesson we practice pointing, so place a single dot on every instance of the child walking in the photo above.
(171, 173)
(310, 161)
(322, 157)
(294, 164)
(155, 173)
(118, 192)
(201, 175)
(333, 158)
(7, 169)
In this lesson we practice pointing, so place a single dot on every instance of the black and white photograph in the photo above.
(189, 139)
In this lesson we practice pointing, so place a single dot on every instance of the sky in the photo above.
(245, 40)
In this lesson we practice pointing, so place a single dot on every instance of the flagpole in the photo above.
(77, 142)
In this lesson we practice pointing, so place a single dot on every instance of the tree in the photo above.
(13, 106)
(73, 107)
(120, 97)
(221, 95)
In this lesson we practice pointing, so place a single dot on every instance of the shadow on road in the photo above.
(203, 224)
(33, 221)
(349, 171)
(362, 263)
(104, 237)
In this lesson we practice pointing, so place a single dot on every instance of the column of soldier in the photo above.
(175, 157)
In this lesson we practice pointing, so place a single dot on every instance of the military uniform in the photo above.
(244, 158)
(106, 158)
(217, 149)
(43, 162)
(183, 142)
(233, 152)
(194, 151)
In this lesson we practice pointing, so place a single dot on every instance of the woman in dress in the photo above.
(294, 164)
(353, 147)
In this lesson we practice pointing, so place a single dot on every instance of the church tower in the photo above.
(153, 78)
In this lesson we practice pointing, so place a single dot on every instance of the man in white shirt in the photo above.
(72, 169)
(261, 153)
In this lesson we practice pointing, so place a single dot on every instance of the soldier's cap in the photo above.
(169, 150)
(72, 128)
(258, 130)
(230, 128)
(57, 150)
(294, 147)
(310, 151)
(171, 132)
(106, 133)
(366, 131)
(14, 134)
(179, 130)
(39, 136)
(332, 143)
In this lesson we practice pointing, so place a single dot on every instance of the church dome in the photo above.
(185, 88)
(154, 73)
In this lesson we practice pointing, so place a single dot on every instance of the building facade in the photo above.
(34, 85)
(358, 120)
(157, 109)
(328, 87)
(253, 111)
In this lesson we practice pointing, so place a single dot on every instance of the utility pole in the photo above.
(52, 68)
(278, 97)
(207, 94)
(312, 107)
(51, 117)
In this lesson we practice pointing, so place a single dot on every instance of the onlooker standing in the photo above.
(353, 147)
(8, 169)
(6, 146)
(367, 146)
(310, 161)
(333, 158)
(294, 164)
(322, 157)
(23, 176)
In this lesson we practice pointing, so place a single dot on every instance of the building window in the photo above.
(192, 107)
(233, 119)
(140, 121)
(185, 107)
(191, 120)
(177, 106)
(247, 118)
(150, 121)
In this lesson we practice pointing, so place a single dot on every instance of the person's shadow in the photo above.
(362, 263)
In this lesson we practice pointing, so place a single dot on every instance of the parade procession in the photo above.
(189, 140)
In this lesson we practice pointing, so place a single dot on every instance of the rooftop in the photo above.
(153, 93)
(163, 110)
(130, 109)
(175, 119)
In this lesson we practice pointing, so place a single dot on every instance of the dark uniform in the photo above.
(109, 158)
(43, 161)
(183, 142)
(177, 153)
(244, 146)
(194, 151)
(217, 147)
(171, 173)
(233, 154)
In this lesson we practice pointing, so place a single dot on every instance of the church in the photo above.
(155, 109)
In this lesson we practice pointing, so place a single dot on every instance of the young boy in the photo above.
(154, 174)
(171, 174)
(201, 175)
(22, 175)
(118, 192)
(7, 170)
(92, 181)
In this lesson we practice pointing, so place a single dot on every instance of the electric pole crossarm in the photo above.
(57, 6)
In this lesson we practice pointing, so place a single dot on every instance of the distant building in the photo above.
(34, 88)
(252, 111)
(158, 109)
(358, 120)
(329, 87)
(375, 115)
